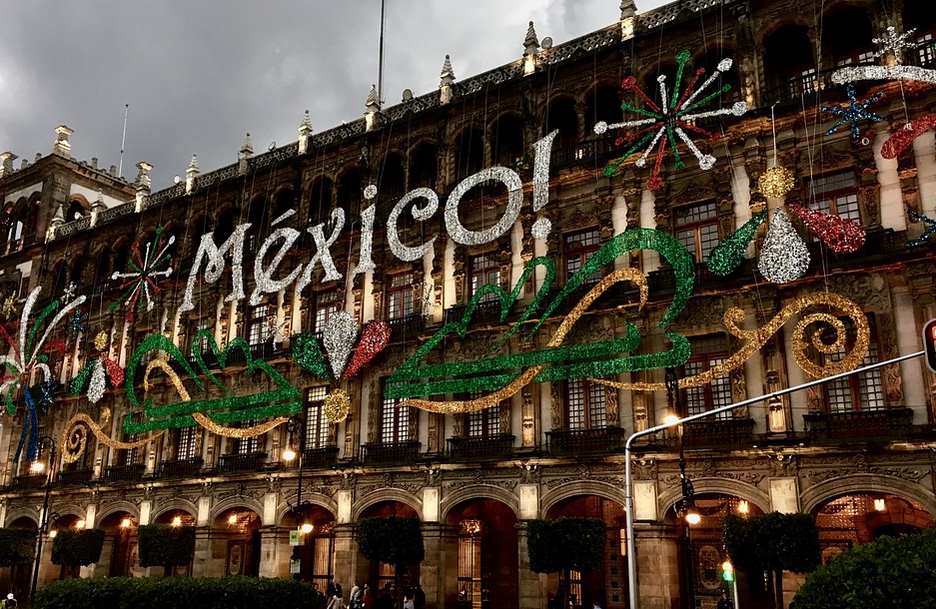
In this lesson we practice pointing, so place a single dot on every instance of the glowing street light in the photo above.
(176, 521)
(126, 523)
(306, 528)
(289, 455)
(37, 467)
(79, 524)
(232, 520)
(693, 518)
(744, 507)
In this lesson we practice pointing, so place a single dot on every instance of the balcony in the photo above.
(75, 476)
(390, 453)
(28, 482)
(241, 462)
(406, 328)
(589, 152)
(325, 456)
(124, 473)
(487, 312)
(727, 434)
(471, 449)
(585, 441)
(883, 423)
(179, 468)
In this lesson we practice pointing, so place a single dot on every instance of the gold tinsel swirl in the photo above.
(493, 399)
(755, 339)
(74, 438)
(337, 406)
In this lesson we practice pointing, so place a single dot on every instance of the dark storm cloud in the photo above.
(197, 75)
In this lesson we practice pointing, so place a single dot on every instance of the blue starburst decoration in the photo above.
(929, 228)
(855, 113)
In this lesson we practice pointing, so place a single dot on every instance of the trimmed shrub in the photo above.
(565, 543)
(166, 546)
(17, 546)
(77, 548)
(890, 573)
(178, 593)
(395, 541)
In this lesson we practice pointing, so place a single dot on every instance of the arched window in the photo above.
(224, 227)
(469, 152)
(789, 65)
(423, 165)
(846, 37)
(561, 115)
(507, 140)
(320, 199)
(257, 216)
(602, 104)
(59, 278)
(350, 190)
(392, 178)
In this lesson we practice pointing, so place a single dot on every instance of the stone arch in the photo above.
(68, 509)
(722, 486)
(481, 491)
(23, 512)
(386, 494)
(323, 501)
(815, 495)
(114, 508)
(766, 30)
(583, 487)
(236, 502)
(175, 504)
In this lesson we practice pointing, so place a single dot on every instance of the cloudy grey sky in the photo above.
(197, 74)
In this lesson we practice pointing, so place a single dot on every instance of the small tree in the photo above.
(77, 548)
(773, 543)
(392, 540)
(890, 573)
(166, 546)
(565, 544)
(17, 546)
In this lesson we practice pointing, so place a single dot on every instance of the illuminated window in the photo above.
(259, 325)
(484, 270)
(484, 423)
(713, 395)
(326, 305)
(863, 391)
(697, 228)
(586, 405)
(400, 301)
(129, 456)
(577, 248)
(185, 443)
(469, 563)
(317, 426)
(836, 194)
(394, 421)
(926, 50)
(250, 445)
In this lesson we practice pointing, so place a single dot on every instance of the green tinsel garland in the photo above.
(727, 255)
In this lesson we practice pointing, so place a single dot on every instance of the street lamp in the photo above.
(44, 517)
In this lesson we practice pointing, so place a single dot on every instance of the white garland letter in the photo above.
(404, 252)
(214, 265)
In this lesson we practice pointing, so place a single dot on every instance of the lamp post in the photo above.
(296, 425)
(44, 517)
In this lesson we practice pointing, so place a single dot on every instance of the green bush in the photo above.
(890, 573)
(178, 593)
(166, 546)
(77, 547)
(565, 543)
(396, 541)
(17, 546)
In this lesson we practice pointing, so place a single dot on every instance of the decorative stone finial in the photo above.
(143, 180)
(62, 144)
(98, 204)
(6, 163)
(191, 172)
(531, 42)
(246, 149)
(305, 133)
(372, 107)
(446, 80)
(628, 9)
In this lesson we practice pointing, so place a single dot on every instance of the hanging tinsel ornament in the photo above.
(337, 406)
(374, 338)
(100, 341)
(309, 356)
(841, 235)
(728, 255)
(776, 182)
(9, 306)
(854, 114)
(93, 378)
(903, 138)
(666, 124)
(77, 323)
(338, 338)
(929, 228)
(143, 273)
(784, 257)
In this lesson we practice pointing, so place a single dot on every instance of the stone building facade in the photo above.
(858, 455)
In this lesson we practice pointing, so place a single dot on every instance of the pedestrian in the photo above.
(330, 590)
(336, 601)
(408, 602)
(356, 597)
(419, 597)
(369, 598)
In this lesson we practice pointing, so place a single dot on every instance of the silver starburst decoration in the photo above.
(893, 42)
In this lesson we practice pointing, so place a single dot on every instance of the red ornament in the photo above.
(374, 338)
(901, 139)
(114, 371)
(841, 235)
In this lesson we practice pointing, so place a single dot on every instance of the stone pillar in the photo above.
(305, 133)
(345, 557)
(434, 565)
(448, 568)
(62, 144)
(909, 341)
(6, 163)
(531, 586)
(202, 559)
(891, 197)
(925, 158)
(274, 552)
(191, 172)
(447, 78)
(657, 566)
(651, 259)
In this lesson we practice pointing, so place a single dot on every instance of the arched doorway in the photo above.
(383, 576)
(235, 539)
(119, 553)
(484, 540)
(702, 552)
(606, 585)
(857, 518)
(62, 523)
(177, 518)
(15, 579)
(313, 529)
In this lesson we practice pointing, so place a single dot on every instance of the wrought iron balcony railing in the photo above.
(124, 473)
(468, 448)
(75, 476)
(390, 453)
(718, 433)
(881, 423)
(406, 328)
(28, 482)
(241, 462)
(585, 441)
(325, 456)
(178, 468)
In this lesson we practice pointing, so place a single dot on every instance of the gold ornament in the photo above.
(337, 405)
(75, 438)
(9, 305)
(776, 182)
(493, 399)
(755, 339)
(100, 341)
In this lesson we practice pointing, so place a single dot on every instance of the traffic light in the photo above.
(727, 572)
(929, 343)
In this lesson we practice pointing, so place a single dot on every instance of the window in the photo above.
(926, 50)
(394, 421)
(715, 394)
(258, 328)
(586, 406)
(128, 456)
(577, 248)
(326, 305)
(697, 228)
(483, 270)
(469, 562)
(249, 445)
(863, 391)
(400, 302)
(185, 443)
(836, 194)
(196, 342)
(805, 83)
(317, 426)
(484, 423)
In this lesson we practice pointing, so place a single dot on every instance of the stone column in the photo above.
(657, 565)
(651, 259)
(531, 586)
(447, 592)
(434, 565)
(925, 158)
(202, 552)
(890, 202)
(274, 551)
(345, 557)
